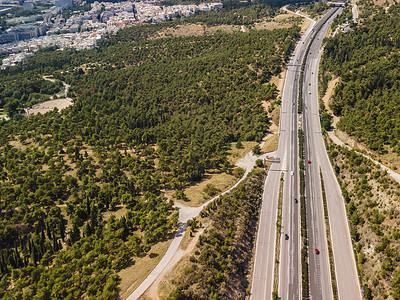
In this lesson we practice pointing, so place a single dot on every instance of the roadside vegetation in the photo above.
(305, 286)
(314, 10)
(219, 266)
(371, 198)
(82, 191)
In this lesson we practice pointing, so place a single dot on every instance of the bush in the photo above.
(257, 150)
(260, 163)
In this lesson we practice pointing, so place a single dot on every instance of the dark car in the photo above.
(295, 201)
(316, 251)
(286, 237)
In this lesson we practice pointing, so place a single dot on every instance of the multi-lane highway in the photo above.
(348, 286)
(264, 261)
(319, 267)
(289, 283)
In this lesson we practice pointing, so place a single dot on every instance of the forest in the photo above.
(367, 99)
(219, 267)
(148, 116)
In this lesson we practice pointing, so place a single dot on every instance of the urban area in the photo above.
(75, 24)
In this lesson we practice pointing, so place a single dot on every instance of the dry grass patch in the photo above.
(271, 25)
(235, 154)
(193, 30)
(167, 284)
(327, 97)
(274, 115)
(134, 275)
(278, 80)
(384, 3)
(118, 212)
(271, 144)
(304, 25)
(196, 194)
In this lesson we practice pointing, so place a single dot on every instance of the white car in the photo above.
(292, 173)
(309, 92)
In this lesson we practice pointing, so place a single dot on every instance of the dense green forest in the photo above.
(149, 115)
(220, 265)
(367, 99)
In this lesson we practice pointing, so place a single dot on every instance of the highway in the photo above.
(289, 280)
(344, 261)
(320, 280)
(287, 155)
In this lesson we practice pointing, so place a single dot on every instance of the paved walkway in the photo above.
(187, 213)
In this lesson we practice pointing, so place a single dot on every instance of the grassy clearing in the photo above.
(193, 30)
(184, 30)
(196, 194)
(235, 154)
(119, 212)
(271, 144)
(279, 80)
(304, 26)
(141, 269)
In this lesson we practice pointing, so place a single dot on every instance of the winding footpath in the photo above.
(185, 214)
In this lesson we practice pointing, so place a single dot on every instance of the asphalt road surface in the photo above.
(289, 281)
(344, 261)
(287, 155)
(320, 280)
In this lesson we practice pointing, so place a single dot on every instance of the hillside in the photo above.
(82, 191)
(367, 97)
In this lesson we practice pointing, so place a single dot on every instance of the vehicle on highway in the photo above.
(309, 92)
(309, 161)
(292, 173)
(316, 251)
(295, 201)
(286, 237)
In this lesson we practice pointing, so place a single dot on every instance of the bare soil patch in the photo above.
(327, 99)
(271, 143)
(47, 106)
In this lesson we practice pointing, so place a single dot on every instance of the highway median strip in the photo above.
(304, 240)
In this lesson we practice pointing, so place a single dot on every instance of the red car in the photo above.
(316, 251)
(309, 161)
